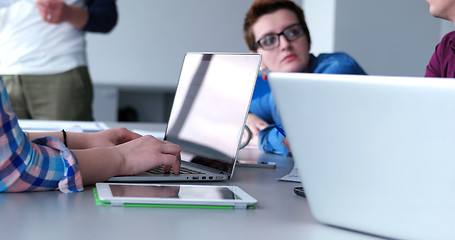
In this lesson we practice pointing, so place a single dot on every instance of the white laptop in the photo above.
(375, 154)
(208, 116)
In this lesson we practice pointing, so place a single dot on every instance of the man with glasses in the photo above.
(277, 30)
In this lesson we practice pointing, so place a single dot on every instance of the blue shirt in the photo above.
(263, 105)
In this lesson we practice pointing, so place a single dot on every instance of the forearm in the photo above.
(78, 17)
(98, 164)
(74, 140)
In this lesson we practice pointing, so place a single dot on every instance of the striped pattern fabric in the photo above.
(37, 165)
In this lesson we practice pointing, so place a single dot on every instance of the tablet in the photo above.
(118, 194)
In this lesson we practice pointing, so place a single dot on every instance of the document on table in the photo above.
(293, 176)
(56, 126)
(75, 126)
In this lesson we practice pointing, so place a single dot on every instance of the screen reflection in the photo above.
(210, 107)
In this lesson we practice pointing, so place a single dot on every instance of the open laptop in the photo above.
(375, 154)
(208, 116)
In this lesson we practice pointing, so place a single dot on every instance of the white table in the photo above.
(279, 214)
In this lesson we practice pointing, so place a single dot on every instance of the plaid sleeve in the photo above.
(43, 164)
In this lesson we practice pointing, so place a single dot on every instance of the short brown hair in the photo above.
(262, 7)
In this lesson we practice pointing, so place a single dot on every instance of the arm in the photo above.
(117, 151)
(46, 164)
(100, 15)
(270, 140)
(107, 138)
(433, 67)
(43, 164)
(130, 158)
(255, 124)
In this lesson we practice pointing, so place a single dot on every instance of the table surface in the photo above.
(279, 214)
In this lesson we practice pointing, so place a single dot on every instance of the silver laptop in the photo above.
(208, 116)
(375, 154)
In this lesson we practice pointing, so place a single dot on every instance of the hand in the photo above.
(285, 141)
(53, 11)
(56, 11)
(130, 158)
(147, 152)
(255, 124)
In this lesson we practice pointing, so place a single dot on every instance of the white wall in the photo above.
(147, 46)
(145, 50)
(320, 18)
(386, 37)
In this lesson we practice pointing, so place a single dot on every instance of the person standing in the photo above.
(43, 58)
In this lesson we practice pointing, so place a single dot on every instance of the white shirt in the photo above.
(28, 45)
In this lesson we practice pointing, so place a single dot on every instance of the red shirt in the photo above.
(442, 63)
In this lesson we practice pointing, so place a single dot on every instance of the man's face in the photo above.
(444, 9)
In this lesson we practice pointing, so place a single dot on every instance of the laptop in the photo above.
(208, 116)
(375, 154)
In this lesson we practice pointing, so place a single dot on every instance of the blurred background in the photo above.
(135, 68)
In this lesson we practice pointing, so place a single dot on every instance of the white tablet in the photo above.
(118, 194)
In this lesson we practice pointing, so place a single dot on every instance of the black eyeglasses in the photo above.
(271, 41)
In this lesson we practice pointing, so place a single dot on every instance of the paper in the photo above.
(293, 176)
(56, 126)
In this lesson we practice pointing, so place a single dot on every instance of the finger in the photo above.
(171, 161)
(170, 148)
(167, 168)
(176, 166)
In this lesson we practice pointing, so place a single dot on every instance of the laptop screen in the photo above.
(210, 107)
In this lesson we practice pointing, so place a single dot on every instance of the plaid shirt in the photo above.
(41, 164)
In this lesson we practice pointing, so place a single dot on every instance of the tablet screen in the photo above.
(172, 191)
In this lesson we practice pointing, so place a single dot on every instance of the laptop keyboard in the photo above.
(183, 170)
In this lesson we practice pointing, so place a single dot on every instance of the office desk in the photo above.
(279, 214)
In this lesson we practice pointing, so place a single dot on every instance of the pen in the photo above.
(280, 130)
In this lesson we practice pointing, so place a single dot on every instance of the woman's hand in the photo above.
(147, 152)
(285, 141)
(255, 124)
(129, 158)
